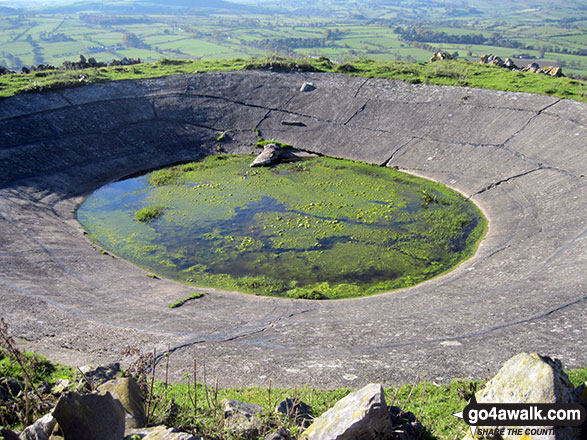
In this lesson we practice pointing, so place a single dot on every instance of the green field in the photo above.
(550, 34)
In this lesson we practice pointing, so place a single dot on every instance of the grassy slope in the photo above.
(455, 73)
(433, 403)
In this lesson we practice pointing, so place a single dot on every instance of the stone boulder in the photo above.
(530, 378)
(8, 434)
(360, 415)
(159, 433)
(61, 387)
(90, 416)
(101, 373)
(41, 429)
(440, 56)
(509, 64)
(10, 388)
(307, 87)
(533, 67)
(405, 424)
(270, 155)
(557, 72)
(300, 412)
(280, 434)
(129, 394)
(242, 419)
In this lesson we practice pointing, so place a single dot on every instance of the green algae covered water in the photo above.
(320, 228)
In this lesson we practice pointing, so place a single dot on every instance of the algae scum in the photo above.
(320, 228)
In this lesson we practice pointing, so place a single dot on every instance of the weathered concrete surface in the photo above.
(521, 157)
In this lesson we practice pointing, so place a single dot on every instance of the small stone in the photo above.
(242, 418)
(101, 373)
(41, 429)
(90, 416)
(44, 388)
(307, 87)
(362, 414)
(129, 394)
(60, 387)
(159, 433)
(280, 434)
(8, 434)
(10, 388)
(300, 412)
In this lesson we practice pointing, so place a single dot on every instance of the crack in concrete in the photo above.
(387, 163)
(475, 334)
(560, 250)
(235, 335)
(360, 87)
(529, 121)
(360, 110)
(499, 182)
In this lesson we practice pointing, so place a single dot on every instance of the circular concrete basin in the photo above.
(520, 157)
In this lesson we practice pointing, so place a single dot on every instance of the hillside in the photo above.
(455, 73)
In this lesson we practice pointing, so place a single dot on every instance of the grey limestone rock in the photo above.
(530, 378)
(270, 154)
(90, 416)
(360, 415)
(159, 433)
(101, 373)
(242, 418)
(129, 394)
(307, 87)
(10, 388)
(41, 429)
(302, 413)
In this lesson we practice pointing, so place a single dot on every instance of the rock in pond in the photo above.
(270, 155)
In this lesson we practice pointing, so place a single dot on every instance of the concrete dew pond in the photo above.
(520, 157)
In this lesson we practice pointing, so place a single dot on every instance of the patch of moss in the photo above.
(181, 302)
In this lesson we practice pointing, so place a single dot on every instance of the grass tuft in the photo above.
(181, 302)
(149, 213)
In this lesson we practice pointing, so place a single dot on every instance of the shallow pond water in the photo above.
(320, 228)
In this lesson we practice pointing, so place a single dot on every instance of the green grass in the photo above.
(433, 403)
(454, 73)
(148, 213)
(43, 370)
(181, 302)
